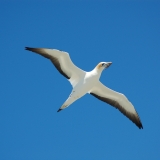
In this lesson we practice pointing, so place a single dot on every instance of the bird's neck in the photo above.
(96, 72)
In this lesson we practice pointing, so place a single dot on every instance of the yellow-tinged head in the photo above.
(103, 65)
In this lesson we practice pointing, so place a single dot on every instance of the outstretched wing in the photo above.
(117, 100)
(62, 62)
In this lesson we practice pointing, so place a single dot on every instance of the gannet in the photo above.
(88, 82)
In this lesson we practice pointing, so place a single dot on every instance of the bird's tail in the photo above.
(66, 104)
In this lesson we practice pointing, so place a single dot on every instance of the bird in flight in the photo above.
(88, 82)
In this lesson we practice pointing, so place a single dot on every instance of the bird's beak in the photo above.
(108, 64)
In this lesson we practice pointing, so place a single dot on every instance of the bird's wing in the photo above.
(117, 100)
(62, 62)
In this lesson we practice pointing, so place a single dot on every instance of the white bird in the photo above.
(88, 82)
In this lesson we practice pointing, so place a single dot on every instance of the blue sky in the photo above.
(126, 33)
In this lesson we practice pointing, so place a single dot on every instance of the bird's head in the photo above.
(103, 65)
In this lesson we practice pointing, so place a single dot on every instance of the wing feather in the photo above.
(62, 62)
(117, 100)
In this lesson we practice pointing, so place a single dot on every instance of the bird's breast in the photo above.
(89, 81)
(85, 85)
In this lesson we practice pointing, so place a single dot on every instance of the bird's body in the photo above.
(88, 82)
(84, 85)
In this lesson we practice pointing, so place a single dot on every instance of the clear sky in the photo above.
(126, 33)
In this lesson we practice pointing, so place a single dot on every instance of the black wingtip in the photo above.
(59, 110)
(141, 126)
(28, 48)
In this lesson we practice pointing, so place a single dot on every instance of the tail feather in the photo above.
(59, 110)
(62, 107)
(66, 104)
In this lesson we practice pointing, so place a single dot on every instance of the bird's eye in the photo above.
(103, 64)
